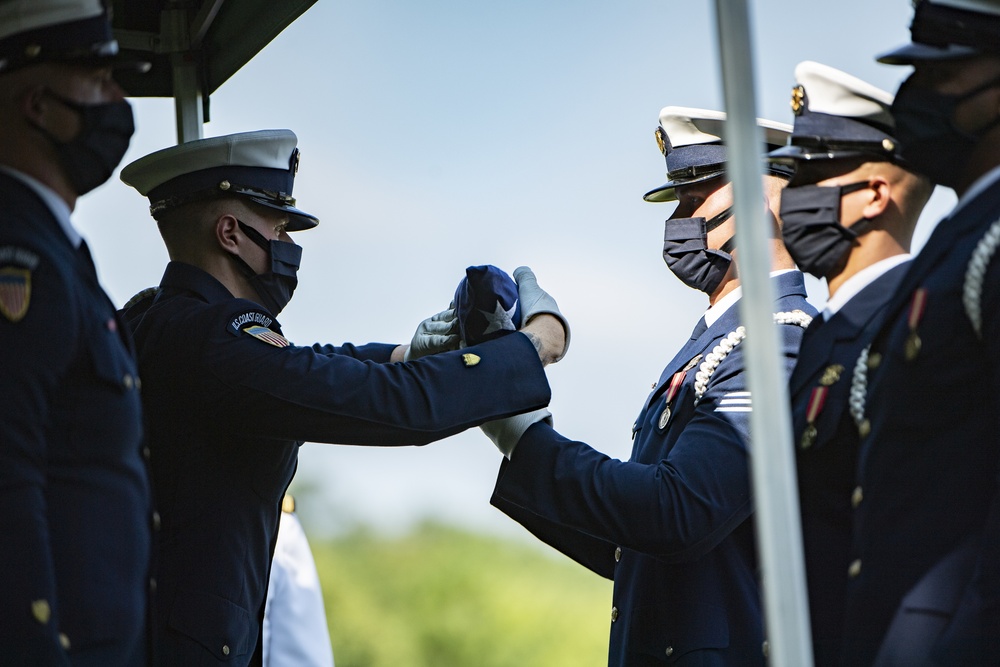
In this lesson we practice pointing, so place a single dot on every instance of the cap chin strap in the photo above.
(729, 246)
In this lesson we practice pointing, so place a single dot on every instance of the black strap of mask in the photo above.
(257, 238)
(860, 227)
(864, 224)
(986, 128)
(722, 217)
(244, 267)
(719, 219)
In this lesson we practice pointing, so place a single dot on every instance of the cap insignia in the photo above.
(889, 145)
(224, 185)
(32, 50)
(659, 140)
(798, 99)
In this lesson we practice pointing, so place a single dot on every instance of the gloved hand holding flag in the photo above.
(486, 305)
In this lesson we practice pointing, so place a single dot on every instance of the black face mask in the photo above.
(91, 157)
(275, 287)
(811, 226)
(925, 126)
(686, 252)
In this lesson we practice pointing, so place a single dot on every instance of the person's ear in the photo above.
(879, 192)
(36, 107)
(226, 233)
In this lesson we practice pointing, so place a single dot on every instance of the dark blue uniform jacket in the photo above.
(74, 495)
(226, 413)
(670, 526)
(926, 538)
(827, 460)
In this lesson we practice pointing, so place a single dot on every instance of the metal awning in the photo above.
(195, 46)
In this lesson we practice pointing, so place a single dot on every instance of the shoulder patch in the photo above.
(16, 265)
(249, 318)
(15, 256)
(15, 292)
(266, 335)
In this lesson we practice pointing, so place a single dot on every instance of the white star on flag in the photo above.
(500, 319)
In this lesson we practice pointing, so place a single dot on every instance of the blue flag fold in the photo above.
(486, 304)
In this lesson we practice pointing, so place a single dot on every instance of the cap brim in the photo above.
(912, 53)
(128, 64)
(117, 61)
(789, 155)
(298, 220)
(665, 192)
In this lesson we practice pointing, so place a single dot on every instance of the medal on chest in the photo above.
(675, 385)
(817, 399)
(918, 304)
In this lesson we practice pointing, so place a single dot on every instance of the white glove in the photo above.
(505, 433)
(536, 301)
(438, 333)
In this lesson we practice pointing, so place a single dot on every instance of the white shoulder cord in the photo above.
(734, 338)
(975, 273)
(859, 388)
(972, 291)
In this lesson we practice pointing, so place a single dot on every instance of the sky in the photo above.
(445, 133)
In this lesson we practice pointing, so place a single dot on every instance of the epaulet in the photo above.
(975, 274)
(147, 293)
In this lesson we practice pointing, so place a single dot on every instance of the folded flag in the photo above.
(486, 304)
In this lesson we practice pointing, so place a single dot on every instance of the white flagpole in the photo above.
(779, 533)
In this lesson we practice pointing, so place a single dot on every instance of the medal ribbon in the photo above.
(816, 402)
(675, 385)
(917, 306)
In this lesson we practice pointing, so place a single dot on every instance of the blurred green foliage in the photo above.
(443, 597)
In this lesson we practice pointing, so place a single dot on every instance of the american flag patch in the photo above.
(266, 335)
(15, 292)
(735, 401)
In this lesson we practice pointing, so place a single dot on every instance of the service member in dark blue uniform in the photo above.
(74, 494)
(924, 577)
(672, 524)
(848, 216)
(228, 399)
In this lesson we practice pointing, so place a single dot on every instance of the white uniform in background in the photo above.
(295, 630)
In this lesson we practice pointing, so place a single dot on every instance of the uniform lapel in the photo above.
(850, 322)
(940, 243)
